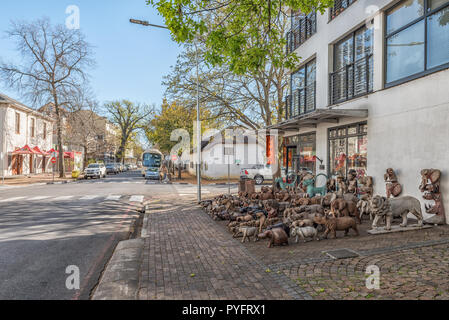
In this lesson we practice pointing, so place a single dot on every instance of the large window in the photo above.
(348, 149)
(338, 7)
(299, 153)
(303, 27)
(303, 87)
(353, 66)
(17, 124)
(417, 39)
(307, 152)
(33, 127)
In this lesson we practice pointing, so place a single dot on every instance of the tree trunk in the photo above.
(59, 133)
(85, 157)
(278, 172)
(121, 150)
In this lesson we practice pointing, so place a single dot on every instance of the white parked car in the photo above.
(258, 172)
(261, 173)
(95, 170)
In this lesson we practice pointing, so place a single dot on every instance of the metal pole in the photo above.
(198, 124)
(198, 127)
(3, 167)
(229, 177)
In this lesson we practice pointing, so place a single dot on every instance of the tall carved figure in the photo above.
(393, 187)
(430, 186)
(352, 181)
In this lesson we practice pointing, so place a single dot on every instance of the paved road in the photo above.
(46, 228)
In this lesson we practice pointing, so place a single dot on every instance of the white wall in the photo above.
(408, 125)
(12, 141)
(217, 167)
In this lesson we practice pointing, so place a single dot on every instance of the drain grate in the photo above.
(341, 254)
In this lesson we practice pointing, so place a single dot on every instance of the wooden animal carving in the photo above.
(333, 225)
(277, 237)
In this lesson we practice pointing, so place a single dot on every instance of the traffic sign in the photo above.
(53, 160)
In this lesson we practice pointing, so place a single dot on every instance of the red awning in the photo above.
(49, 152)
(70, 155)
(38, 151)
(24, 150)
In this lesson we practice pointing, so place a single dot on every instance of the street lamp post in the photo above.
(198, 123)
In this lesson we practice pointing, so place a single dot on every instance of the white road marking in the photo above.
(39, 198)
(136, 199)
(62, 198)
(89, 197)
(12, 199)
(113, 198)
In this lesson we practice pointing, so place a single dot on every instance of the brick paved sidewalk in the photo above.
(413, 274)
(188, 256)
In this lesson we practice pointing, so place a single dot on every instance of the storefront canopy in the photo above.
(27, 150)
(38, 151)
(24, 150)
(312, 119)
(67, 155)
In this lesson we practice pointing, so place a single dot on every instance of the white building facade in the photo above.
(22, 126)
(372, 91)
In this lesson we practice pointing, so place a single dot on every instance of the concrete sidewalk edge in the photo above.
(120, 280)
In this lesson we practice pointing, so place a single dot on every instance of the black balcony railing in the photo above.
(351, 81)
(339, 6)
(301, 101)
(302, 29)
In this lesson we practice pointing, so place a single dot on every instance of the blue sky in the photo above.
(131, 59)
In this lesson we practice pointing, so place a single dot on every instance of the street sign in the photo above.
(53, 160)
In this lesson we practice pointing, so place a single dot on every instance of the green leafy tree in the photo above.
(174, 116)
(128, 117)
(242, 34)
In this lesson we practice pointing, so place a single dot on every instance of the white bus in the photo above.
(151, 163)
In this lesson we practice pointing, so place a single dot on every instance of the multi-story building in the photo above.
(25, 136)
(84, 132)
(92, 134)
(372, 91)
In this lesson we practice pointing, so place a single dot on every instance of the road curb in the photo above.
(144, 231)
(120, 280)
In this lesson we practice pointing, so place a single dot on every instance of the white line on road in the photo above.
(89, 197)
(62, 198)
(136, 199)
(38, 198)
(12, 199)
(113, 198)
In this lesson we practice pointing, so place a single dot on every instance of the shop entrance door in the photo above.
(16, 164)
(44, 161)
(31, 164)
